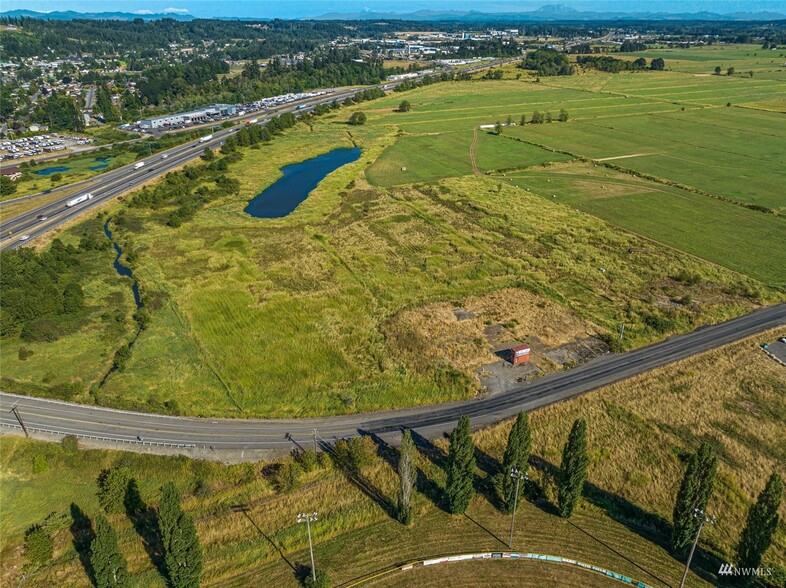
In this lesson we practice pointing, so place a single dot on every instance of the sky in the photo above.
(305, 8)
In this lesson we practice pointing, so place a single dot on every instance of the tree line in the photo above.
(614, 65)
(547, 62)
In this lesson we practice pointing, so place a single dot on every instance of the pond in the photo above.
(100, 163)
(298, 181)
(52, 170)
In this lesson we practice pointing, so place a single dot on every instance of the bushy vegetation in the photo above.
(547, 62)
(42, 294)
(611, 64)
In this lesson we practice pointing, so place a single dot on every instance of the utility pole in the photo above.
(621, 331)
(516, 475)
(704, 518)
(309, 518)
(315, 440)
(16, 414)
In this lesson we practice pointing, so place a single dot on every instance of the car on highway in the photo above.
(24, 237)
(165, 155)
(41, 217)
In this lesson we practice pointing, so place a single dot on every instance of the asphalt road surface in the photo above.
(60, 418)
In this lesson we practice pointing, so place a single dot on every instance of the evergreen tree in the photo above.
(112, 486)
(694, 493)
(516, 456)
(762, 521)
(109, 565)
(573, 473)
(182, 553)
(407, 472)
(461, 468)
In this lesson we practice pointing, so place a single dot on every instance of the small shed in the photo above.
(519, 354)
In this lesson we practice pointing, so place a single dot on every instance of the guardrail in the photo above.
(105, 439)
(494, 555)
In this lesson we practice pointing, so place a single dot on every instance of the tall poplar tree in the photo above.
(573, 472)
(109, 565)
(516, 456)
(407, 472)
(461, 468)
(694, 493)
(762, 521)
(182, 553)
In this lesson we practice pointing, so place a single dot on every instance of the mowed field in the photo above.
(706, 161)
(638, 442)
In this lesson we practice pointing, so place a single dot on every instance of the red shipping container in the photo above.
(519, 354)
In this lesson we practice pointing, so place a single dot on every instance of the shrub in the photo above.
(287, 477)
(24, 353)
(70, 444)
(308, 460)
(355, 454)
(40, 463)
(322, 580)
(39, 545)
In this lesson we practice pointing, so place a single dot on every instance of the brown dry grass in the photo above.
(462, 344)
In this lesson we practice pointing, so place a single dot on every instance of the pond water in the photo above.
(52, 170)
(101, 163)
(121, 269)
(298, 181)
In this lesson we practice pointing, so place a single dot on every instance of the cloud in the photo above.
(175, 11)
(143, 12)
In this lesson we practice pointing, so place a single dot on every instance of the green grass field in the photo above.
(316, 313)
(732, 397)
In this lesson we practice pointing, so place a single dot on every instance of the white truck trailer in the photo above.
(79, 200)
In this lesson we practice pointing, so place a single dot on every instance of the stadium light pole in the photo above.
(309, 518)
(516, 475)
(704, 518)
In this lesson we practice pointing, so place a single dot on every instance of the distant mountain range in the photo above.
(551, 12)
(71, 15)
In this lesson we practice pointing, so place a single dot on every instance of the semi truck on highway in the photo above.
(79, 200)
(139, 165)
(253, 121)
(205, 139)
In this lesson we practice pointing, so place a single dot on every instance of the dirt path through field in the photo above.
(625, 156)
(472, 160)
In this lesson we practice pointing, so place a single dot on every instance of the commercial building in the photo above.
(202, 115)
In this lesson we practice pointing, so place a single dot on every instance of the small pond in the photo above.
(100, 163)
(52, 170)
(298, 181)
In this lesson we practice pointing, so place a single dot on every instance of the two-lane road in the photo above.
(46, 416)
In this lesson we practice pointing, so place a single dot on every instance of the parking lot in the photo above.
(38, 145)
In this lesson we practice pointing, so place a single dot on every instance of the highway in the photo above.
(116, 182)
(104, 187)
(60, 418)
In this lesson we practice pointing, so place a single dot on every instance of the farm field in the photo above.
(732, 397)
(669, 215)
(336, 308)
(290, 319)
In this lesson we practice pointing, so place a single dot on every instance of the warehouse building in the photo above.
(193, 117)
